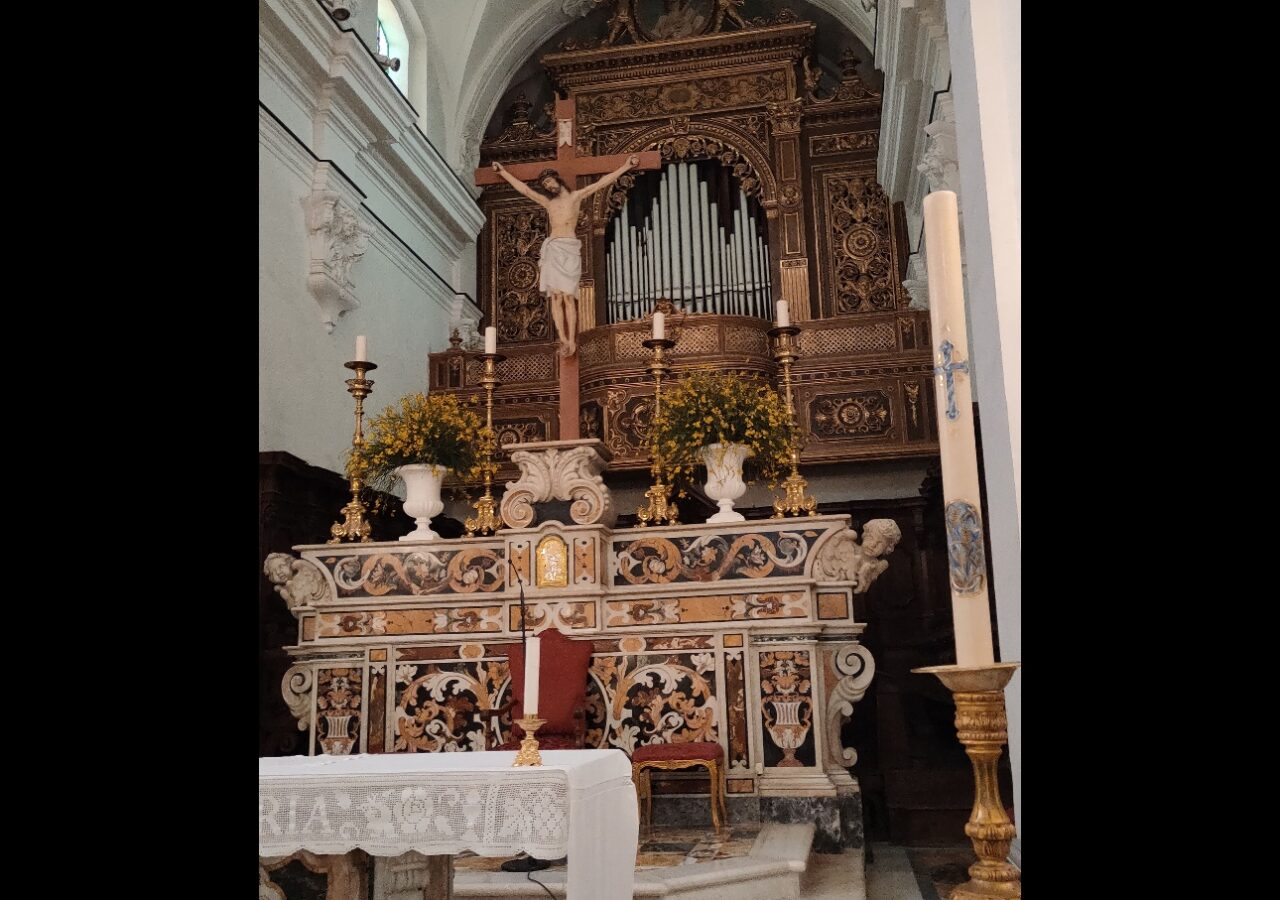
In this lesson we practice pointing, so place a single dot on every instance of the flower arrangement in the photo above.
(707, 407)
(436, 430)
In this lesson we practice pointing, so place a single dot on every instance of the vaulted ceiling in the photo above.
(477, 48)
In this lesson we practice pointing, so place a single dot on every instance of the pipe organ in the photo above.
(768, 191)
(691, 235)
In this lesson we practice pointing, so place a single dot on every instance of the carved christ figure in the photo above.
(560, 263)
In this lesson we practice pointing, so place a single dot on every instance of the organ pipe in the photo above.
(688, 234)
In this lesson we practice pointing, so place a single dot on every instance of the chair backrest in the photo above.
(563, 675)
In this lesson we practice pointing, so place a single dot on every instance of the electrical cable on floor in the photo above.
(529, 875)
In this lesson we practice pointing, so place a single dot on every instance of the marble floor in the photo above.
(661, 848)
(896, 873)
(744, 862)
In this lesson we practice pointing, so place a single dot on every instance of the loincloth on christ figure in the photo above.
(560, 266)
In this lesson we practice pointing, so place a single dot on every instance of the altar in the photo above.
(740, 633)
(743, 634)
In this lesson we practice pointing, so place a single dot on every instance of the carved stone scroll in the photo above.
(560, 470)
(855, 667)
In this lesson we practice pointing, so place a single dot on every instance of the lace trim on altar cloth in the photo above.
(490, 814)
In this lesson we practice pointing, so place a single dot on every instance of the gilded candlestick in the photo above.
(982, 727)
(487, 520)
(353, 526)
(528, 754)
(660, 508)
(796, 501)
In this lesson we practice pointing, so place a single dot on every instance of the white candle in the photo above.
(532, 665)
(362, 348)
(784, 313)
(659, 326)
(491, 340)
(966, 551)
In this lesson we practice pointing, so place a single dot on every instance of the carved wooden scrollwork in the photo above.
(688, 96)
(676, 144)
(519, 129)
(858, 241)
(855, 414)
(522, 310)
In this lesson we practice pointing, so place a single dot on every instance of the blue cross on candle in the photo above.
(947, 370)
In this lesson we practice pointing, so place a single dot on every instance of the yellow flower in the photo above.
(432, 429)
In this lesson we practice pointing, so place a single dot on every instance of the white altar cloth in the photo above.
(579, 803)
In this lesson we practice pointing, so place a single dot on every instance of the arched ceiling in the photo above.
(481, 48)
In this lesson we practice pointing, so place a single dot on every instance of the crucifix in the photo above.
(560, 264)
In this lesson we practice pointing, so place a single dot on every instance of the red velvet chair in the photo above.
(562, 699)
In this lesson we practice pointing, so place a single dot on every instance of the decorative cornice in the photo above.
(911, 50)
(284, 146)
(424, 278)
(335, 81)
(578, 69)
(323, 175)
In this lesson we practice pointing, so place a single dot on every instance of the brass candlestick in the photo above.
(528, 754)
(353, 526)
(796, 501)
(660, 508)
(487, 520)
(983, 729)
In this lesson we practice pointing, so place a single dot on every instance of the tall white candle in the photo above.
(491, 340)
(659, 326)
(784, 313)
(362, 348)
(532, 666)
(966, 549)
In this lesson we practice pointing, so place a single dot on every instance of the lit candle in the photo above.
(491, 340)
(966, 551)
(784, 313)
(532, 664)
(362, 348)
(659, 326)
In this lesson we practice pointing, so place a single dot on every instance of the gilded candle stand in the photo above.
(487, 520)
(353, 526)
(982, 727)
(795, 501)
(661, 508)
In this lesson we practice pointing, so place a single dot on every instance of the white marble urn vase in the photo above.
(422, 498)
(724, 478)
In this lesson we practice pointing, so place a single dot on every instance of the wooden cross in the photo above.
(570, 166)
(567, 162)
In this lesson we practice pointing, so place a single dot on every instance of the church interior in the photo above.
(807, 657)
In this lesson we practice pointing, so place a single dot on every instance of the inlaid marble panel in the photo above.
(652, 698)
(710, 557)
(338, 710)
(436, 703)
(415, 572)
(713, 608)
(786, 708)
